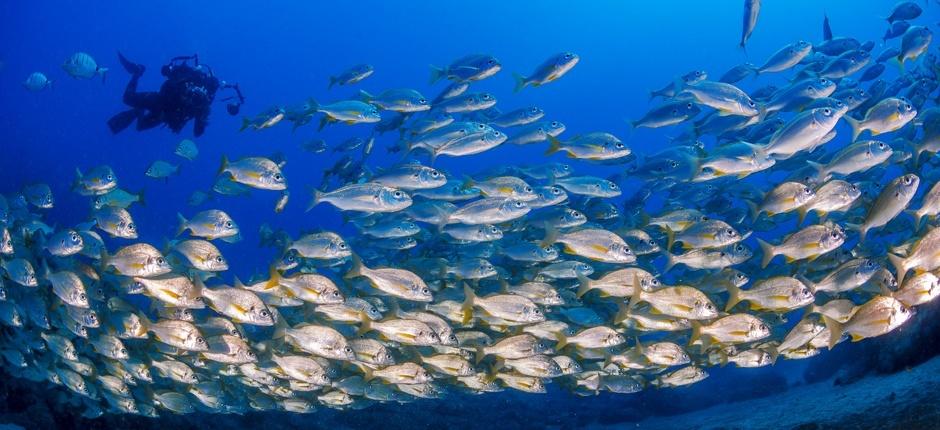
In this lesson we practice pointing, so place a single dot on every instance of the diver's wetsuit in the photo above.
(186, 94)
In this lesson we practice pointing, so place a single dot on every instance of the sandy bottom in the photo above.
(906, 400)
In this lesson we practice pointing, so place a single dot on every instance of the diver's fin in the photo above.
(132, 68)
(122, 120)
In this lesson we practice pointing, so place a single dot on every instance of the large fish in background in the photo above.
(513, 278)
(751, 13)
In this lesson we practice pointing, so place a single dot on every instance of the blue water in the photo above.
(282, 52)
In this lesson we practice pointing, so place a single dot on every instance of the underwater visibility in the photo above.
(661, 215)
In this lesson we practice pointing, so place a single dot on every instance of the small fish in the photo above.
(590, 146)
(553, 68)
(521, 116)
(888, 115)
(161, 170)
(81, 66)
(808, 243)
(893, 199)
(473, 67)
(211, 224)
(187, 149)
(751, 13)
(255, 172)
(115, 221)
(37, 81)
(202, 255)
(352, 75)
(876, 317)
(403, 100)
(97, 181)
(368, 197)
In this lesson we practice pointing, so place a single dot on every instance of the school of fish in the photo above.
(522, 276)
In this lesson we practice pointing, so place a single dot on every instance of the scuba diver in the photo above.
(187, 94)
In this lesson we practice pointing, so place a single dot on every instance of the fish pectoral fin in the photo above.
(709, 236)
(408, 336)
(311, 291)
(856, 338)
(684, 308)
(171, 293)
(599, 248)
(241, 309)
(811, 245)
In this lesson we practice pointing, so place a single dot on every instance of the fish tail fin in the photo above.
(355, 270)
(467, 307)
(103, 71)
(861, 229)
(479, 354)
(584, 285)
(436, 74)
(142, 197)
(806, 281)
(562, 341)
(333, 81)
(551, 236)
(365, 96)
(520, 82)
(801, 213)
(317, 198)
(636, 297)
(820, 170)
(182, 227)
(223, 166)
(900, 267)
(623, 312)
(753, 209)
(696, 332)
(670, 237)
(554, 145)
(767, 251)
(835, 330)
(245, 124)
(856, 126)
(274, 278)
(670, 261)
(918, 217)
(734, 296)
(280, 324)
(364, 327)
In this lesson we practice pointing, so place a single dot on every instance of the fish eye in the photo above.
(422, 101)
(827, 111)
(435, 173)
(520, 204)
(131, 227)
(731, 232)
(198, 298)
(265, 313)
(907, 107)
(228, 224)
(527, 189)
(277, 177)
(751, 103)
(123, 351)
(200, 340)
(425, 290)
(74, 237)
(347, 350)
(652, 242)
(82, 297)
(342, 245)
(397, 194)
(834, 235)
